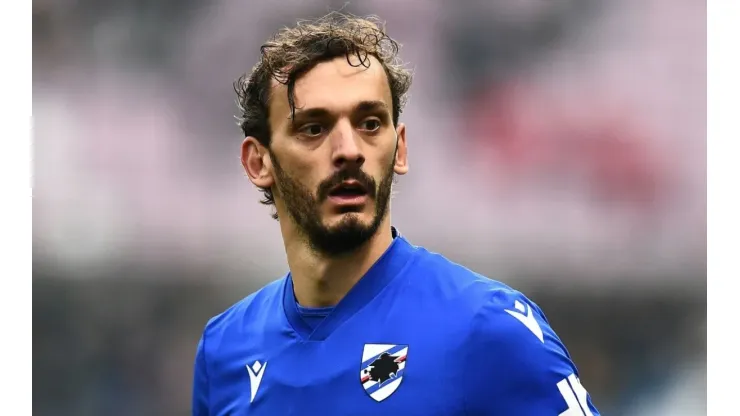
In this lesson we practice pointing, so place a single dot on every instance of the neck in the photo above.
(319, 280)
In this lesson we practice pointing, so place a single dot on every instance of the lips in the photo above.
(348, 189)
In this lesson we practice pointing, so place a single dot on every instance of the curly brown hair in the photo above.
(294, 51)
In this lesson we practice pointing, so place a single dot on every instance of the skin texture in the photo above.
(342, 130)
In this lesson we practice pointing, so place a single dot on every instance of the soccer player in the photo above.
(365, 322)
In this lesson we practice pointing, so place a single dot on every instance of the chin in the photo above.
(349, 220)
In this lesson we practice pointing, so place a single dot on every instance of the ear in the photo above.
(401, 166)
(256, 162)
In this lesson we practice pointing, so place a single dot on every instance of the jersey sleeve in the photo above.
(515, 364)
(200, 381)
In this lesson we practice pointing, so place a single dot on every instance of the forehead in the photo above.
(334, 85)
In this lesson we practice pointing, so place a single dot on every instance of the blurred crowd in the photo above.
(556, 146)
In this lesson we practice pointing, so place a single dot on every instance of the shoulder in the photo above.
(510, 320)
(253, 310)
(458, 282)
(498, 315)
(493, 310)
(513, 354)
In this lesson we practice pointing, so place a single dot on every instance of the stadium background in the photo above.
(558, 146)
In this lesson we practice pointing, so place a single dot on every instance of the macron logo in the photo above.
(524, 315)
(256, 371)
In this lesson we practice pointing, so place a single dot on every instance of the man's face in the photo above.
(333, 164)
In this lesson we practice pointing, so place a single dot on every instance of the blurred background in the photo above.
(558, 146)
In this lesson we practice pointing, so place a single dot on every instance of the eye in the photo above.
(312, 130)
(371, 125)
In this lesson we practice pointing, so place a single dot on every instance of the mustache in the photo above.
(354, 173)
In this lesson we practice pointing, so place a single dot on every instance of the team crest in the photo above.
(382, 369)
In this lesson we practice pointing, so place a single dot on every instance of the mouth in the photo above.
(348, 193)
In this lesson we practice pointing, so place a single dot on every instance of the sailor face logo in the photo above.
(382, 369)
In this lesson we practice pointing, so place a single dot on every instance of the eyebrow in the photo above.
(361, 107)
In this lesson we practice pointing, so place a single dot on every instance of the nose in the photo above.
(347, 147)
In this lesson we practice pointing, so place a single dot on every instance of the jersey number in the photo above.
(576, 397)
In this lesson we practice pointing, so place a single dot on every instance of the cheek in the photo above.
(386, 157)
(305, 175)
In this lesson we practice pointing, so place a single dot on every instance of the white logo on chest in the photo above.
(256, 371)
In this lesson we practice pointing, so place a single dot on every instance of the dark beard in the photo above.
(349, 234)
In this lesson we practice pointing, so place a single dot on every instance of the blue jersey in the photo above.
(417, 335)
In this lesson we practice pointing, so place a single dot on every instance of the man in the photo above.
(365, 323)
